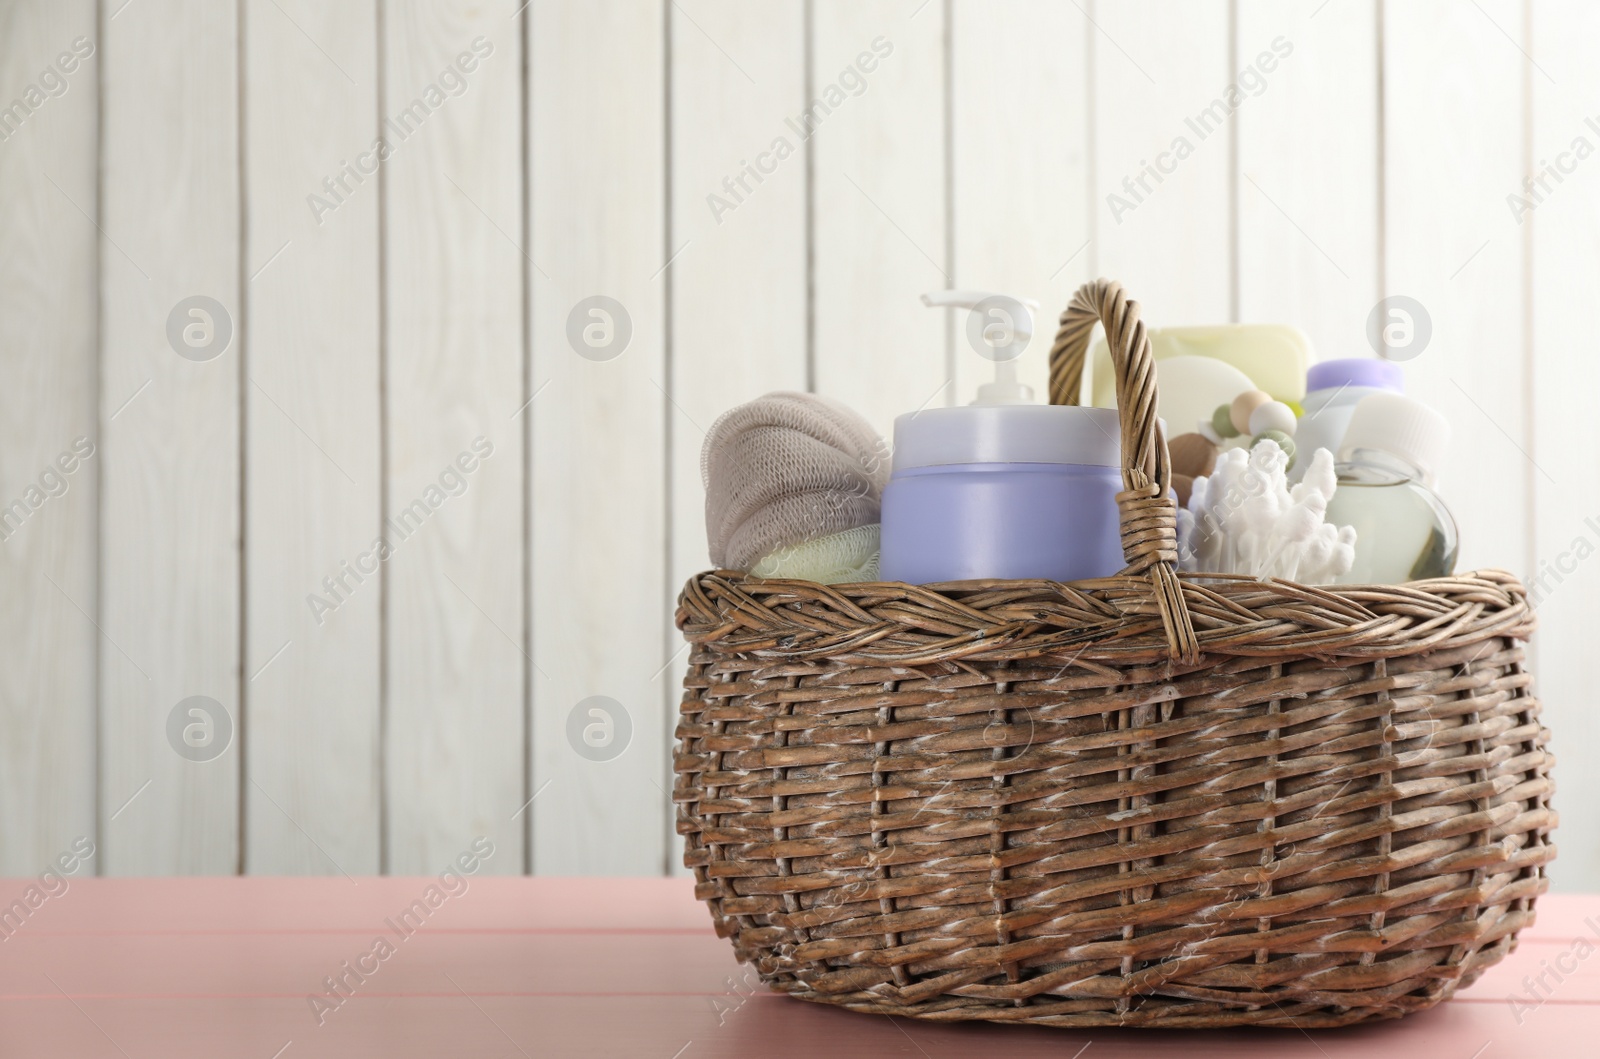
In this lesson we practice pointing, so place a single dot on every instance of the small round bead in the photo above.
(1243, 405)
(1284, 442)
(1274, 415)
(1222, 422)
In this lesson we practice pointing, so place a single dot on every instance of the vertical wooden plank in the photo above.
(170, 550)
(1453, 129)
(738, 293)
(1020, 165)
(600, 607)
(876, 118)
(1163, 119)
(312, 438)
(1308, 168)
(453, 218)
(48, 307)
(1561, 208)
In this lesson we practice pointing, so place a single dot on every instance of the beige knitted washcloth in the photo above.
(784, 469)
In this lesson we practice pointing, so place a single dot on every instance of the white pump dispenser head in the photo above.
(995, 316)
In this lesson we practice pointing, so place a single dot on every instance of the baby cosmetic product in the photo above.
(1002, 488)
(1386, 465)
(1272, 356)
(1333, 389)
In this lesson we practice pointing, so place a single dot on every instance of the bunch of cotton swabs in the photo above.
(1246, 519)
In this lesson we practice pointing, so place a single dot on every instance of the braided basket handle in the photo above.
(1148, 515)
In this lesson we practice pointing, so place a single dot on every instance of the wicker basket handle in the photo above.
(1148, 515)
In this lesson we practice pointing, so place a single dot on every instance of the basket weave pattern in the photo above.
(1147, 800)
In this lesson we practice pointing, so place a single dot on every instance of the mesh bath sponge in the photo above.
(784, 469)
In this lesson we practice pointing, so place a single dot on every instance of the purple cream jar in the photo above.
(1003, 491)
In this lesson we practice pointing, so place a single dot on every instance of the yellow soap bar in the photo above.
(1274, 356)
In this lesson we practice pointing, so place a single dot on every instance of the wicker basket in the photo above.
(1138, 801)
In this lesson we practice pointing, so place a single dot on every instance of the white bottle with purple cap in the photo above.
(1002, 488)
(1333, 389)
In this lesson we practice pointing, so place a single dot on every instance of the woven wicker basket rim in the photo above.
(1110, 620)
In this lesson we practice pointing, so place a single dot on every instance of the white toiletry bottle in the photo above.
(1386, 465)
(1002, 488)
(1333, 389)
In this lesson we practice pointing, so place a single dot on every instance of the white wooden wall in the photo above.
(375, 343)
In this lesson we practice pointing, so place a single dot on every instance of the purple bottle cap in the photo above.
(1356, 371)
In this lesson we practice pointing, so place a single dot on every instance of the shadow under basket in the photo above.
(1148, 800)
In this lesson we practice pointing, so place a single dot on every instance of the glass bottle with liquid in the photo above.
(1386, 465)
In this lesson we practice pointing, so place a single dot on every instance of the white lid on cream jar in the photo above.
(1060, 434)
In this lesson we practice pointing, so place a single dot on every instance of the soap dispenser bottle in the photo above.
(1003, 487)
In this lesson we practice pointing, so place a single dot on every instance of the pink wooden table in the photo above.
(587, 967)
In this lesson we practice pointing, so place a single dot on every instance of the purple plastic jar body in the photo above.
(966, 521)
